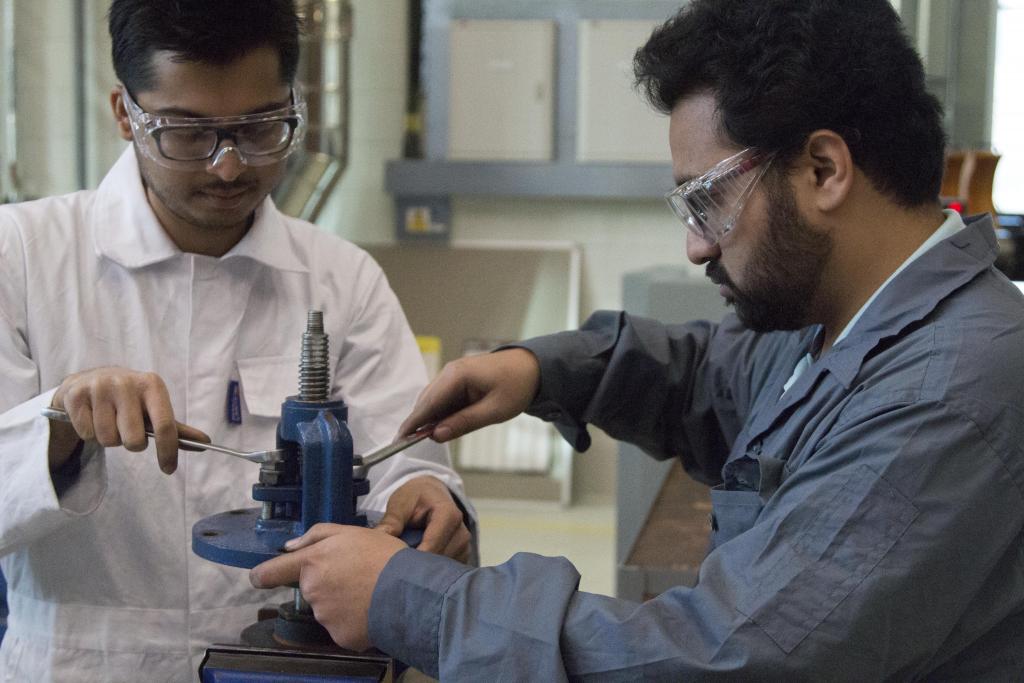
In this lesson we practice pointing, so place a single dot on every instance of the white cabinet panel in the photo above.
(615, 123)
(501, 92)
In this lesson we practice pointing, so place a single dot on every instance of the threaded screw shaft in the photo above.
(314, 366)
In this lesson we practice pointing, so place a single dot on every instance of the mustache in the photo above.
(226, 187)
(715, 272)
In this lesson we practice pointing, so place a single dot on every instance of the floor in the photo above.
(584, 533)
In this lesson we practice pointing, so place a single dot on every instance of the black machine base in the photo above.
(251, 664)
(268, 654)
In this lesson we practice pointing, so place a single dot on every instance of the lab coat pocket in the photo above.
(267, 382)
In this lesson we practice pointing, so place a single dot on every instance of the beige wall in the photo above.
(44, 83)
(46, 70)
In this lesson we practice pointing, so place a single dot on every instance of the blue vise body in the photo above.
(314, 482)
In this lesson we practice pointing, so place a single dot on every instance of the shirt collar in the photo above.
(127, 231)
(952, 225)
(914, 291)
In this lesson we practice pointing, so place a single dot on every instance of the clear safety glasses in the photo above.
(711, 204)
(184, 143)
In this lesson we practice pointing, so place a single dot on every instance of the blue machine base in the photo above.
(233, 538)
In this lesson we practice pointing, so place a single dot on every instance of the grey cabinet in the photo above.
(662, 514)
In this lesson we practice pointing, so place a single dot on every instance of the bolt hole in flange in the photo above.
(238, 512)
(211, 533)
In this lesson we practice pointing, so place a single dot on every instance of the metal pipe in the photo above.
(301, 606)
(323, 76)
(81, 97)
(412, 142)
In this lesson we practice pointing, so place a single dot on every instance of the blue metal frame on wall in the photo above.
(563, 176)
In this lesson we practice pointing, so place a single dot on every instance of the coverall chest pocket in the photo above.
(737, 502)
(732, 513)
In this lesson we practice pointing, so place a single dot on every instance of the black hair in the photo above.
(781, 69)
(207, 31)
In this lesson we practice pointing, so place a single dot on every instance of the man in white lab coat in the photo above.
(178, 293)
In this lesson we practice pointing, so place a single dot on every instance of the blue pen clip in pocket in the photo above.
(234, 403)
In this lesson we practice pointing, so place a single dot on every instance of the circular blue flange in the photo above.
(232, 538)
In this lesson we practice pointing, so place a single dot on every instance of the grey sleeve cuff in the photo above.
(572, 365)
(545, 405)
(469, 519)
(405, 611)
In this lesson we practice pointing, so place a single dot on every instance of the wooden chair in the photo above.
(951, 176)
(969, 176)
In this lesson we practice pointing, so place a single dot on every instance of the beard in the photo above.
(784, 274)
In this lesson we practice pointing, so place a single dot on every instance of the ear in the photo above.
(120, 109)
(833, 170)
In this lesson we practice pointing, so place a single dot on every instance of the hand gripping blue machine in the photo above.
(311, 477)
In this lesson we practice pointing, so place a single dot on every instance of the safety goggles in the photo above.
(184, 143)
(711, 204)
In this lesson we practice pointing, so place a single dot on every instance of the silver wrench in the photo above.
(259, 457)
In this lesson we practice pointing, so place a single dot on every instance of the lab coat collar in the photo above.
(126, 231)
(915, 293)
(269, 241)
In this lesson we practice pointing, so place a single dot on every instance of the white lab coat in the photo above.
(103, 585)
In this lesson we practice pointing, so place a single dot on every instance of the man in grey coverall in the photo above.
(859, 417)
